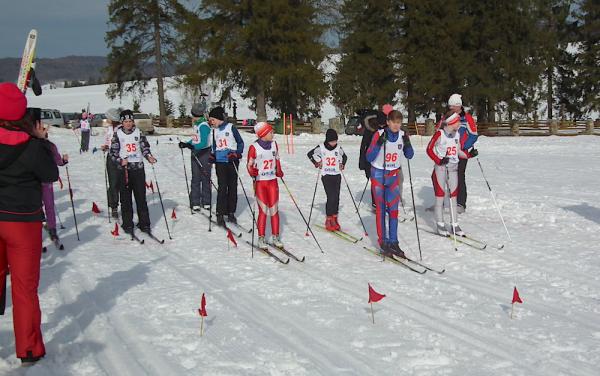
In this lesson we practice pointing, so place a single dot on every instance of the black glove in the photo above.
(406, 140)
(473, 152)
(183, 145)
(444, 161)
(382, 139)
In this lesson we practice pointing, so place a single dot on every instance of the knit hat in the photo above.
(452, 119)
(262, 129)
(217, 113)
(84, 115)
(13, 102)
(198, 109)
(331, 135)
(112, 114)
(126, 115)
(455, 100)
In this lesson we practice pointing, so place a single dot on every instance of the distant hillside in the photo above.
(64, 68)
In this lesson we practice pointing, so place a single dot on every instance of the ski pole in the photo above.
(451, 210)
(363, 194)
(412, 193)
(354, 202)
(312, 204)
(187, 186)
(302, 215)
(59, 221)
(106, 184)
(493, 198)
(72, 204)
(237, 171)
(78, 139)
(161, 201)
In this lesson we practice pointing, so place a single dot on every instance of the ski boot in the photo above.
(196, 208)
(277, 241)
(395, 248)
(220, 220)
(457, 230)
(128, 230)
(262, 244)
(114, 212)
(206, 207)
(386, 251)
(335, 223)
(329, 224)
(441, 229)
(231, 218)
(30, 360)
(460, 209)
(53, 234)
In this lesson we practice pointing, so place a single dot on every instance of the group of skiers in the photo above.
(28, 166)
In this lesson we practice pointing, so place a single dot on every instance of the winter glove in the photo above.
(342, 166)
(279, 173)
(473, 152)
(406, 140)
(211, 158)
(233, 156)
(253, 171)
(183, 145)
(382, 139)
(317, 164)
(444, 161)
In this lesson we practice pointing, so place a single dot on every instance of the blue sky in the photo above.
(65, 27)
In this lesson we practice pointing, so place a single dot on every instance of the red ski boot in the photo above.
(329, 223)
(335, 222)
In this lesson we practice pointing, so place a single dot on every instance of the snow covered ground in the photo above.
(114, 307)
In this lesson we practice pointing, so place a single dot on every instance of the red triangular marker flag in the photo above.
(95, 208)
(173, 215)
(60, 183)
(231, 237)
(516, 297)
(374, 296)
(202, 310)
(115, 232)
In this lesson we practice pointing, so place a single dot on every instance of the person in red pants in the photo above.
(265, 168)
(26, 162)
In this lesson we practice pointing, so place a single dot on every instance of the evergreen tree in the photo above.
(269, 50)
(366, 76)
(141, 36)
(589, 54)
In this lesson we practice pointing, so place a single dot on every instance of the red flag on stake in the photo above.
(95, 208)
(60, 183)
(203, 314)
(115, 232)
(516, 299)
(374, 297)
(231, 237)
(173, 215)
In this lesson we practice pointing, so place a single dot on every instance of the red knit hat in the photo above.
(262, 129)
(12, 102)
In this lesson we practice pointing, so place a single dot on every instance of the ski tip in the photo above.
(287, 261)
(303, 258)
(500, 246)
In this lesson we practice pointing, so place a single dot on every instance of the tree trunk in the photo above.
(412, 117)
(159, 67)
(261, 104)
(549, 84)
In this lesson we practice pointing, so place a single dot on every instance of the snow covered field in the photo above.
(114, 307)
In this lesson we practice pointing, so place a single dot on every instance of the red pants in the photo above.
(267, 196)
(21, 251)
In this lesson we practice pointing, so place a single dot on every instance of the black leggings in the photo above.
(332, 185)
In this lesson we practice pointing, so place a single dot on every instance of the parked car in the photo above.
(52, 117)
(144, 122)
(68, 117)
(100, 120)
(353, 126)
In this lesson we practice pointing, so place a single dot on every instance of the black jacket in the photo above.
(25, 163)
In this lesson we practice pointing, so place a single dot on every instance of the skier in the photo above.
(200, 144)
(227, 148)
(331, 159)
(112, 168)
(48, 193)
(445, 149)
(385, 154)
(371, 121)
(128, 149)
(85, 127)
(265, 167)
(25, 163)
(468, 137)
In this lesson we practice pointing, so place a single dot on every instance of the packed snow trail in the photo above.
(113, 306)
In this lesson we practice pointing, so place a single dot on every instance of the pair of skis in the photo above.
(136, 238)
(465, 240)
